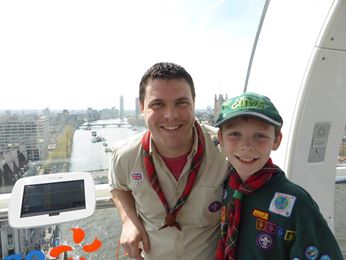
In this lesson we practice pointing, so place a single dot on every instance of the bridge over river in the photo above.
(88, 126)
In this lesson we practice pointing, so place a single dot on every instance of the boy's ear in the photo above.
(277, 141)
(219, 137)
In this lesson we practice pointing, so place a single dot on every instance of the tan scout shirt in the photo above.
(199, 217)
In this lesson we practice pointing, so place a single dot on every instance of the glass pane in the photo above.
(69, 75)
(340, 193)
(342, 151)
(339, 215)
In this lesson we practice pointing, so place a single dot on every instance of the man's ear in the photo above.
(277, 141)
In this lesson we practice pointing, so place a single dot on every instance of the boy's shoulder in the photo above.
(281, 186)
(210, 132)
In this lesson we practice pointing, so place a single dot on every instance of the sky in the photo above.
(75, 54)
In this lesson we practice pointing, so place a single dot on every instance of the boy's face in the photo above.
(247, 142)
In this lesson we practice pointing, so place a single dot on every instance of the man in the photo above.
(167, 182)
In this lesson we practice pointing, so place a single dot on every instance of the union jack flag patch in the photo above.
(137, 176)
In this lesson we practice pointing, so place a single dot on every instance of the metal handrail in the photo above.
(254, 46)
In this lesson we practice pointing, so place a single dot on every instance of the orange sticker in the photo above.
(78, 237)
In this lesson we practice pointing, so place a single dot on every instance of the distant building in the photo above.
(137, 108)
(92, 114)
(121, 114)
(217, 105)
(32, 131)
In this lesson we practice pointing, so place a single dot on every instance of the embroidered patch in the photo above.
(260, 214)
(224, 195)
(282, 204)
(137, 176)
(290, 235)
(271, 227)
(311, 252)
(264, 241)
(265, 226)
(281, 232)
(214, 206)
(325, 257)
(260, 224)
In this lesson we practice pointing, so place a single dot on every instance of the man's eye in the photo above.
(155, 105)
(183, 103)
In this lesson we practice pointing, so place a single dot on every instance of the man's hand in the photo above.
(134, 239)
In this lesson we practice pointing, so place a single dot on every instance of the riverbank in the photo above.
(58, 159)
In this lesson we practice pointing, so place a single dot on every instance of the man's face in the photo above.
(168, 111)
(248, 142)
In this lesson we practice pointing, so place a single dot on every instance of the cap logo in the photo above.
(249, 104)
(246, 102)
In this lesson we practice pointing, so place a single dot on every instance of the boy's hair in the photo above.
(165, 70)
(253, 105)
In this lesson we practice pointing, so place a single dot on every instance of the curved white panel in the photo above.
(300, 64)
(322, 103)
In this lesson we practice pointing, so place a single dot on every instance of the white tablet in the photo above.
(51, 199)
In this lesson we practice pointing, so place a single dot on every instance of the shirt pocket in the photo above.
(203, 206)
(148, 203)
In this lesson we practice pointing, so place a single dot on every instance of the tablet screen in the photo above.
(53, 198)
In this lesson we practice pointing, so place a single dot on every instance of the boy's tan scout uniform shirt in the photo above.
(200, 215)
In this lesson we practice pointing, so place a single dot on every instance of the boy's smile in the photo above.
(248, 142)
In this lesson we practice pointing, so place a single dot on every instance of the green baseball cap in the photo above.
(250, 104)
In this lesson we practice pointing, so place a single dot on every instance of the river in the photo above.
(91, 157)
(105, 223)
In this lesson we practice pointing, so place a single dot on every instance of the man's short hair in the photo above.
(164, 70)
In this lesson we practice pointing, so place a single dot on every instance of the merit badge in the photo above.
(325, 257)
(137, 176)
(311, 252)
(214, 206)
(260, 224)
(264, 241)
(282, 204)
(290, 235)
(281, 232)
(260, 214)
(265, 226)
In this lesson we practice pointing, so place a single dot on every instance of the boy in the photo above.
(263, 214)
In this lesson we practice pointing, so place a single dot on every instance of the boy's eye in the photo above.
(234, 134)
(260, 136)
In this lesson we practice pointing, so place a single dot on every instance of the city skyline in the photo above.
(116, 106)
